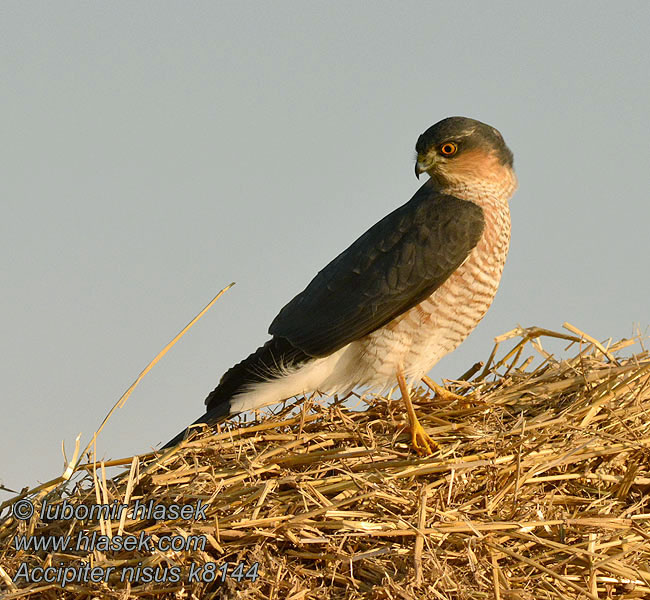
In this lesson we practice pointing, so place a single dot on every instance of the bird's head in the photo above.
(458, 150)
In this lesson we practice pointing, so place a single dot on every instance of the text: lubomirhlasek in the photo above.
(139, 510)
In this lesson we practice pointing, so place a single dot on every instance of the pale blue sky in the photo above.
(152, 152)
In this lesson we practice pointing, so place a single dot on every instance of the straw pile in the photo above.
(541, 489)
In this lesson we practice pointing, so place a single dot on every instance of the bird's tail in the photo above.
(210, 417)
(268, 362)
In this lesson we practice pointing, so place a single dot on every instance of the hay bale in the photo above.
(541, 489)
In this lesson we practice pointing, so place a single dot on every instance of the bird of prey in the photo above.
(402, 296)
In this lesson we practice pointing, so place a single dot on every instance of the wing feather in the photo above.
(397, 263)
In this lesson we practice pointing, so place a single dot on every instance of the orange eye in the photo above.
(448, 149)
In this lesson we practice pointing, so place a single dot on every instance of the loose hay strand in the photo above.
(124, 397)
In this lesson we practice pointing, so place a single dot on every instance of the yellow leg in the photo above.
(442, 392)
(420, 440)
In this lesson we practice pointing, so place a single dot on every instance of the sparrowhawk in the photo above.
(402, 296)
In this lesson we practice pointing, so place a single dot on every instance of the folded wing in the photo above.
(395, 265)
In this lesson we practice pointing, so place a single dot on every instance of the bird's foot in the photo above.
(443, 393)
(421, 441)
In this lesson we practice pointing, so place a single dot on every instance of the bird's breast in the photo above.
(419, 338)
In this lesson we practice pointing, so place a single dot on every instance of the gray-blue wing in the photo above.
(397, 263)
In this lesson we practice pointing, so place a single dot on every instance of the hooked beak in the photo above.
(420, 167)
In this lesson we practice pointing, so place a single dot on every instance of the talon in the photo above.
(420, 440)
(422, 443)
(443, 393)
